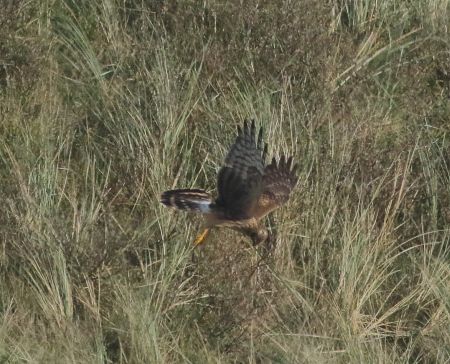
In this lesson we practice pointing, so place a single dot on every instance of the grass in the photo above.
(106, 104)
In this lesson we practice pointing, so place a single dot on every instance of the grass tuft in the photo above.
(104, 105)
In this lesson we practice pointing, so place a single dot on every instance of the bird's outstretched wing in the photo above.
(240, 180)
(278, 181)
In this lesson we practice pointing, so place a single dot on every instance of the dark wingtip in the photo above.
(289, 163)
(164, 198)
(264, 154)
(260, 138)
(253, 131)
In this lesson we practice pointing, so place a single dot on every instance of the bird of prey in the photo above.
(247, 188)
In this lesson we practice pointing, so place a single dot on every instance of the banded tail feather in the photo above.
(188, 199)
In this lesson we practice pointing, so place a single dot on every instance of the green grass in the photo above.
(104, 105)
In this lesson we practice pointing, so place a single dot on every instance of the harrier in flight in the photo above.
(247, 189)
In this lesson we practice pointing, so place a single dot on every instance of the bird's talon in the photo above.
(201, 238)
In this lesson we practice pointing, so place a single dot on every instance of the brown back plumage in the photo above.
(278, 181)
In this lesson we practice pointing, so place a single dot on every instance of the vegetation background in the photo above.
(104, 104)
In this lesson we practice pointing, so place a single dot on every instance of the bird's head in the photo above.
(259, 236)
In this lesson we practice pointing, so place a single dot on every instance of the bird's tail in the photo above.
(188, 199)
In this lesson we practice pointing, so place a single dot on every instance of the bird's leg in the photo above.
(201, 238)
(272, 238)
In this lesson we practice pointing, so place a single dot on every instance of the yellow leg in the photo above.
(201, 238)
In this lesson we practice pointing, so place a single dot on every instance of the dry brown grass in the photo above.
(105, 104)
